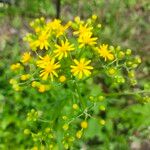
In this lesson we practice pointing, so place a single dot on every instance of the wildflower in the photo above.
(105, 53)
(62, 79)
(83, 29)
(26, 57)
(61, 30)
(42, 41)
(79, 134)
(34, 83)
(15, 66)
(49, 68)
(42, 88)
(81, 68)
(84, 124)
(25, 77)
(86, 39)
(12, 81)
(56, 27)
(43, 61)
(63, 49)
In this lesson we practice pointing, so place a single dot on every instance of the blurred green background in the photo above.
(125, 22)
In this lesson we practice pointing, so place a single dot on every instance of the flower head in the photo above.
(57, 28)
(86, 39)
(84, 124)
(26, 57)
(62, 78)
(81, 68)
(15, 66)
(42, 41)
(49, 68)
(105, 53)
(63, 49)
(83, 29)
(43, 61)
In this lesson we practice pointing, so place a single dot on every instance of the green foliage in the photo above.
(121, 118)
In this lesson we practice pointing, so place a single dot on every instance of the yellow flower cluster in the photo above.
(54, 37)
(66, 52)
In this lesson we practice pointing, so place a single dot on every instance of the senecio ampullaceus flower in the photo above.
(70, 66)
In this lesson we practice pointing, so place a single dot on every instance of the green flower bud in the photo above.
(133, 82)
(129, 63)
(131, 74)
(121, 54)
(111, 48)
(26, 131)
(138, 60)
(101, 98)
(118, 48)
(128, 52)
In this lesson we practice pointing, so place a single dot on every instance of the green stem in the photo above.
(127, 93)
(79, 95)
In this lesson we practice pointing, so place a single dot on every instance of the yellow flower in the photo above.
(26, 57)
(44, 61)
(49, 68)
(15, 66)
(57, 28)
(86, 39)
(42, 88)
(42, 41)
(63, 49)
(60, 31)
(54, 25)
(12, 81)
(83, 29)
(25, 77)
(62, 79)
(81, 68)
(35, 84)
(105, 53)
(84, 124)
